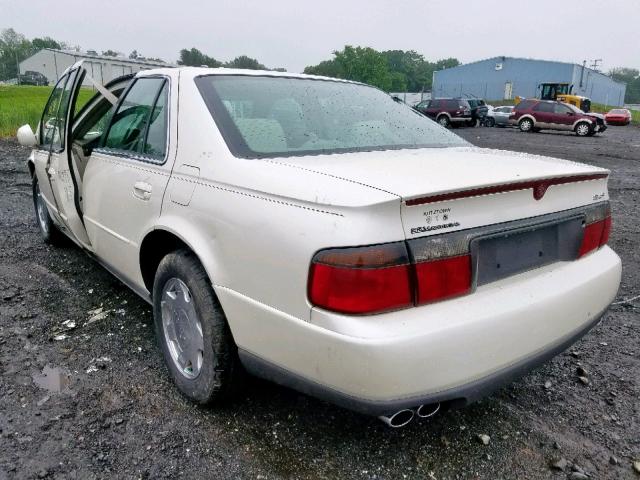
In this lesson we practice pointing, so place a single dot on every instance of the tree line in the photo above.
(390, 70)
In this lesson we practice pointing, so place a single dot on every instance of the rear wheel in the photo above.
(526, 125)
(192, 330)
(443, 120)
(50, 233)
(583, 129)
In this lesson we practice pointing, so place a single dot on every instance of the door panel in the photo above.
(63, 181)
(117, 212)
(49, 139)
(125, 179)
(563, 117)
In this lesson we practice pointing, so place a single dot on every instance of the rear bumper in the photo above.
(456, 350)
(459, 396)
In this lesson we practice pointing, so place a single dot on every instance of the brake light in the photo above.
(362, 280)
(597, 229)
(382, 277)
(441, 279)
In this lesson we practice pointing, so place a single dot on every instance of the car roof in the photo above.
(200, 71)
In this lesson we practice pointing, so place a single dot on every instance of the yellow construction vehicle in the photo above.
(563, 93)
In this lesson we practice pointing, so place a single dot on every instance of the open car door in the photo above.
(78, 134)
(60, 168)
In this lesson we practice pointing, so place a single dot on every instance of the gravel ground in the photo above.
(90, 398)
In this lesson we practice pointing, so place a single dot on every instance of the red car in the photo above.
(618, 116)
(447, 111)
(533, 115)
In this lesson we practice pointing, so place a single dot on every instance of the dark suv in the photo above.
(535, 115)
(33, 78)
(447, 111)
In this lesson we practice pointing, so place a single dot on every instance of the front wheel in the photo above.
(443, 120)
(192, 330)
(526, 125)
(583, 129)
(489, 122)
(49, 232)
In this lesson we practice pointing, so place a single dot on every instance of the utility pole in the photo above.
(17, 68)
(594, 65)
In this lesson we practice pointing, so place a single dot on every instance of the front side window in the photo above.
(54, 118)
(262, 116)
(136, 115)
(561, 109)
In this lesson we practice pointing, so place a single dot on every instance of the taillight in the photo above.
(442, 279)
(362, 280)
(382, 277)
(596, 230)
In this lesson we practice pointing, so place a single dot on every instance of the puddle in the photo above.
(53, 379)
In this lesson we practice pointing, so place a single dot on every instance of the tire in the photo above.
(490, 122)
(48, 230)
(525, 125)
(582, 129)
(202, 361)
(443, 120)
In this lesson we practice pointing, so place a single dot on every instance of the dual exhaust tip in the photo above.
(404, 417)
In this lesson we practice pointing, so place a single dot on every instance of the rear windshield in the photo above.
(263, 116)
(618, 111)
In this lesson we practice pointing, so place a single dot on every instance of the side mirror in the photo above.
(570, 113)
(26, 137)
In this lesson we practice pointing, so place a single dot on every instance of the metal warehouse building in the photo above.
(51, 63)
(501, 78)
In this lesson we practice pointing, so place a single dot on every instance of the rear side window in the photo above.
(525, 105)
(544, 107)
(139, 123)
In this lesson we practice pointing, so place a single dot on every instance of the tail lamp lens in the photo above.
(442, 279)
(382, 278)
(362, 280)
(596, 230)
(596, 235)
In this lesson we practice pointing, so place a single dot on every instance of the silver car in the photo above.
(499, 116)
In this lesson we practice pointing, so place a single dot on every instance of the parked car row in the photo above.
(530, 115)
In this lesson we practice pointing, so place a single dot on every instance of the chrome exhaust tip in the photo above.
(398, 419)
(428, 410)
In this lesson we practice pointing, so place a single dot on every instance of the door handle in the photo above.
(142, 190)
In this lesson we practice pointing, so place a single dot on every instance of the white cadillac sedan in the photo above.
(317, 233)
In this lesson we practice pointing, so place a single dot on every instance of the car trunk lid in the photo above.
(448, 189)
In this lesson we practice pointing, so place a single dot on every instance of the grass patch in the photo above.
(20, 104)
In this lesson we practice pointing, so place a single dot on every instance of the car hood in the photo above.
(413, 173)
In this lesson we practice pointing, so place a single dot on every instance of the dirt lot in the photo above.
(94, 400)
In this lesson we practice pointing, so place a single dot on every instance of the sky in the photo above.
(296, 33)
